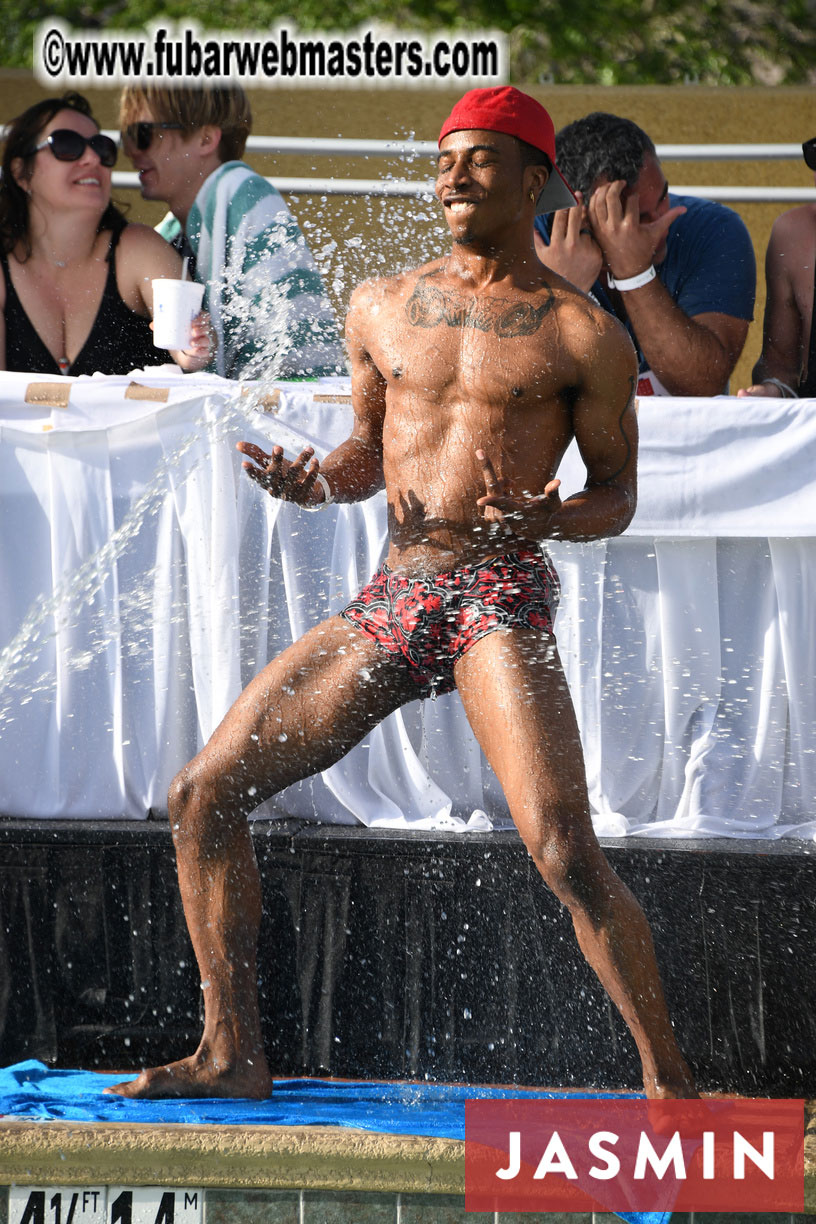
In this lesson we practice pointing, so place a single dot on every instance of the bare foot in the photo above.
(200, 1076)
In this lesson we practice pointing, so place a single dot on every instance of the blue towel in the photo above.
(32, 1090)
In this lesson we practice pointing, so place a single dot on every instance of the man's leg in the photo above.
(517, 701)
(302, 713)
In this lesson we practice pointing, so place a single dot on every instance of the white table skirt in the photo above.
(145, 580)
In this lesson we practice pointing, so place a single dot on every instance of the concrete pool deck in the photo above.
(279, 1174)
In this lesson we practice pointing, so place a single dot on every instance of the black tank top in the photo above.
(119, 340)
(807, 388)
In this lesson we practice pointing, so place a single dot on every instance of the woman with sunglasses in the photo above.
(76, 291)
(787, 365)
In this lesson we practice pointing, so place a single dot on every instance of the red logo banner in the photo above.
(634, 1155)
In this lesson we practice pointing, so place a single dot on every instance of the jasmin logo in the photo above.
(671, 1162)
(634, 1155)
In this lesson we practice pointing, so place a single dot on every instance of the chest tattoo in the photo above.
(429, 306)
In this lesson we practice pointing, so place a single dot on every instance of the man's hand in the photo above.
(573, 252)
(529, 516)
(292, 482)
(628, 244)
(768, 390)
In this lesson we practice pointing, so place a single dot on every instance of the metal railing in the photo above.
(419, 150)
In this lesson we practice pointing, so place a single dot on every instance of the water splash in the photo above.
(52, 614)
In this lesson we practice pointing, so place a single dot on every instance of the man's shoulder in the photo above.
(576, 309)
(706, 218)
(592, 336)
(239, 188)
(796, 222)
(592, 332)
(235, 172)
(792, 247)
(710, 266)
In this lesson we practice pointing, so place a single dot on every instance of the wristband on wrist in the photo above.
(328, 496)
(787, 391)
(633, 282)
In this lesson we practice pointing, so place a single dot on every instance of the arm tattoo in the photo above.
(430, 307)
(629, 403)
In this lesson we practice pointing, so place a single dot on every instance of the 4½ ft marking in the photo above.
(105, 1205)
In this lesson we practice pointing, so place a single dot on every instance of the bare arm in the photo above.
(690, 356)
(606, 432)
(143, 256)
(783, 326)
(354, 469)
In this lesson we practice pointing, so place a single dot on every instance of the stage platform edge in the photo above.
(399, 955)
(286, 1175)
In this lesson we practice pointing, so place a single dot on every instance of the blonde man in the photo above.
(269, 307)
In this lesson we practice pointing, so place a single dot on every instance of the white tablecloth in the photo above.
(145, 580)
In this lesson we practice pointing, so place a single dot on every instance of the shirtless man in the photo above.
(470, 376)
(786, 367)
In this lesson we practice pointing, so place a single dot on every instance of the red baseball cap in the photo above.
(504, 108)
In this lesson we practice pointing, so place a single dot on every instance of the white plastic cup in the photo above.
(175, 304)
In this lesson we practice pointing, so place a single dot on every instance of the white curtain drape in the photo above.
(144, 580)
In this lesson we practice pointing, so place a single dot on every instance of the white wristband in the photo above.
(328, 496)
(786, 391)
(633, 282)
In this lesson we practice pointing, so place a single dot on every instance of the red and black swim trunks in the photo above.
(433, 622)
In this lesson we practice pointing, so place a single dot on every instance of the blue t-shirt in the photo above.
(709, 263)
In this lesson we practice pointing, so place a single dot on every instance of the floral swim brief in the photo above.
(433, 622)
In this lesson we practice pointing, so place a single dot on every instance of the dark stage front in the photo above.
(408, 956)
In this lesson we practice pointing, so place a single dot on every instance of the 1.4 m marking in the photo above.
(154, 1205)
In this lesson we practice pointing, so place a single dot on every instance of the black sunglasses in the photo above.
(141, 134)
(809, 153)
(67, 145)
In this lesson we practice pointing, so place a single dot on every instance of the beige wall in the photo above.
(374, 236)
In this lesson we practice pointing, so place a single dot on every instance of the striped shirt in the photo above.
(266, 298)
